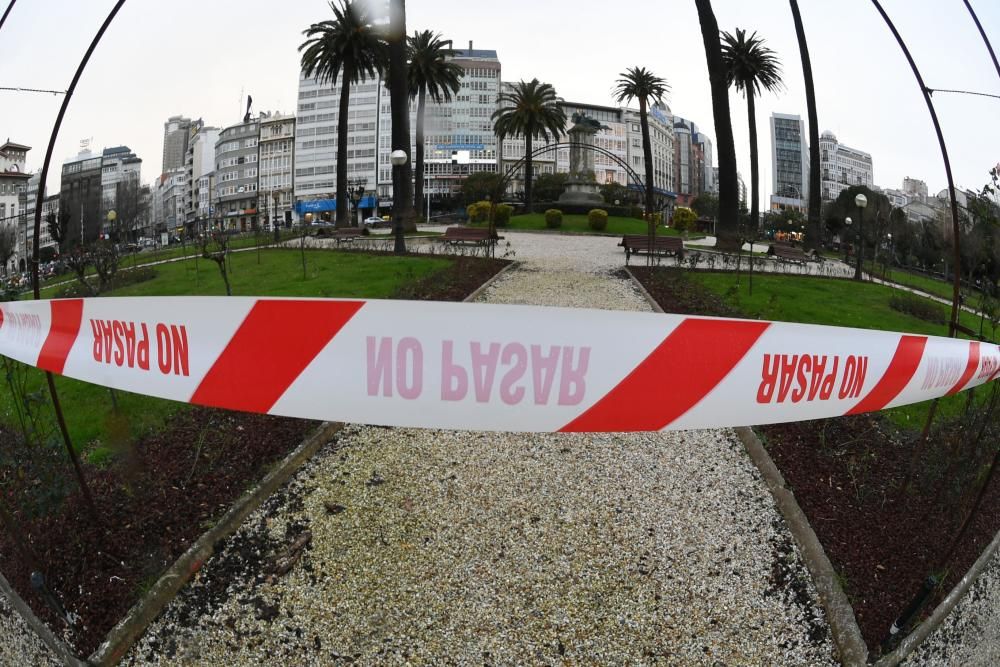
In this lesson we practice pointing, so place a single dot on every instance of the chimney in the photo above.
(470, 45)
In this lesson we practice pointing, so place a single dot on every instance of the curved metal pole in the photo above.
(3, 19)
(505, 179)
(953, 327)
(39, 202)
(989, 47)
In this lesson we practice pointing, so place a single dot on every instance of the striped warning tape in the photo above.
(485, 367)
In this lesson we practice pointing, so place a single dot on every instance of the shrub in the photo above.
(598, 220)
(501, 216)
(918, 307)
(553, 218)
(636, 212)
(684, 219)
(478, 212)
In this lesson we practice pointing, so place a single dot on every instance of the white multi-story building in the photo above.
(118, 165)
(199, 164)
(168, 202)
(915, 189)
(236, 178)
(276, 168)
(458, 136)
(789, 163)
(842, 167)
(13, 182)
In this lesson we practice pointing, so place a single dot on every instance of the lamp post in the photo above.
(398, 158)
(112, 216)
(892, 256)
(862, 202)
(847, 256)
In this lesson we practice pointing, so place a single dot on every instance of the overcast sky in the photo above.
(196, 58)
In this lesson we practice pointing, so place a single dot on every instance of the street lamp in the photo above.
(398, 158)
(861, 201)
(112, 216)
(847, 256)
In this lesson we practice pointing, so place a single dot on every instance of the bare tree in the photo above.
(217, 254)
(8, 243)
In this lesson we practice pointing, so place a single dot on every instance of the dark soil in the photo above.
(883, 535)
(154, 500)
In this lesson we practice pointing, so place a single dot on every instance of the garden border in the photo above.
(836, 606)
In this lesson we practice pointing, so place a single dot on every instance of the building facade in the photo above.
(236, 176)
(199, 166)
(789, 163)
(842, 167)
(176, 132)
(81, 198)
(276, 166)
(13, 185)
(121, 174)
(915, 189)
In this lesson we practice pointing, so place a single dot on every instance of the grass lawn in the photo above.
(577, 224)
(934, 286)
(843, 303)
(88, 408)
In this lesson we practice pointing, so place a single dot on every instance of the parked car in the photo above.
(375, 222)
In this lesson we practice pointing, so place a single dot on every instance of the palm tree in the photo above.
(813, 227)
(727, 228)
(641, 84)
(347, 49)
(430, 73)
(530, 110)
(751, 67)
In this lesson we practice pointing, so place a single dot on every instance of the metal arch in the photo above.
(547, 148)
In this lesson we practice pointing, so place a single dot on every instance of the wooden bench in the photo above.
(786, 253)
(468, 236)
(342, 235)
(662, 246)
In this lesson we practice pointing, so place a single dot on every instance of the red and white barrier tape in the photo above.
(485, 367)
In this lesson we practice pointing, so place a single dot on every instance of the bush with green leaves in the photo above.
(919, 307)
(478, 212)
(597, 219)
(501, 216)
(636, 212)
(684, 219)
(553, 218)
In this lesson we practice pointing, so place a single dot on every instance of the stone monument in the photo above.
(581, 186)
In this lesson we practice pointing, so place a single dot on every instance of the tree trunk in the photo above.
(727, 229)
(345, 102)
(399, 101)
(814, 230)
(754, 171)
(418, 184)
(647, 155)
(528, 168)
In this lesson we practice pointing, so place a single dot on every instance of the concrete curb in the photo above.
(59, 648)
(836, 607)
(124, 635)
(482, 288)
(941, 612)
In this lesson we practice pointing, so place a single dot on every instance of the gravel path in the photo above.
(19, 645)
(466, 548)
(970, 635)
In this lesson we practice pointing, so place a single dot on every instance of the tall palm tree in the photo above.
(727, 228)
(530, 110)
(813, 227)
(347, 49)
(751, 67)
(430, 73)
(641, 84)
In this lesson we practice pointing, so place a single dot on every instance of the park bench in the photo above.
(469, 236)
(662, 246)
(786, 253)
(343, 235)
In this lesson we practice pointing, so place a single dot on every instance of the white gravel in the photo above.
(469, 548)
(19, 645)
